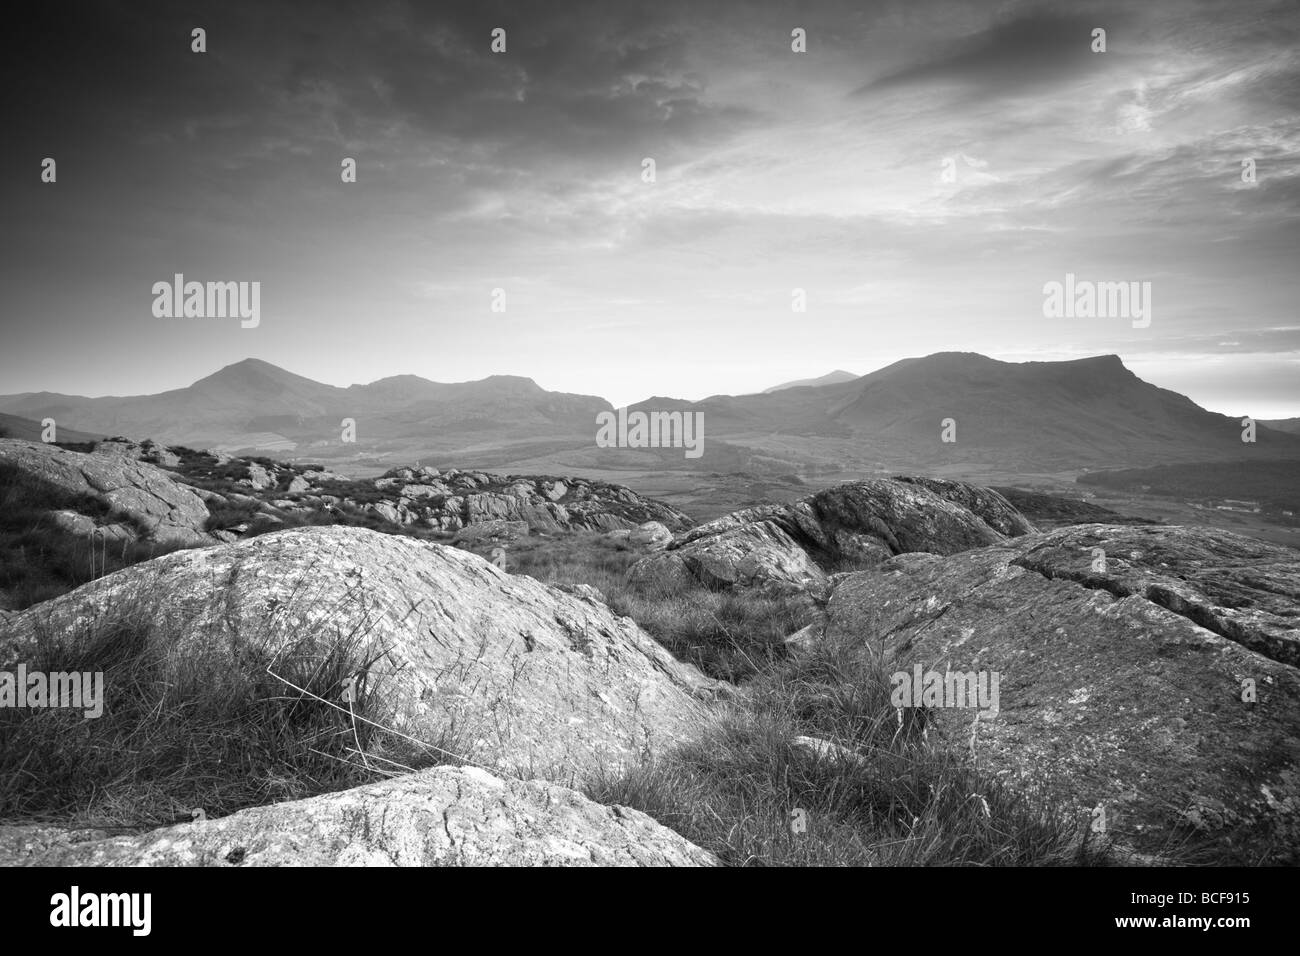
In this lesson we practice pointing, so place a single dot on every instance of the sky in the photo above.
(921, 171)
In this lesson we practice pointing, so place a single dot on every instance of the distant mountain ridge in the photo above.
(1024, 417)
(254, 404)
(1029, 417)
(1288, 425)
(11, 426)
(830, 378)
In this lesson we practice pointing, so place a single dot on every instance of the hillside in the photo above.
(12, 426)
(1271, 485)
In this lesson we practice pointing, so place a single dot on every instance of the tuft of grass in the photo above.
(727, 635)
(739, 789)
(222, 722)
(576, 557)
(222, 517)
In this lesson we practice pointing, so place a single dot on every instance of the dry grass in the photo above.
(903, 802)
(728, 636)
(210, 728)
(40, 560)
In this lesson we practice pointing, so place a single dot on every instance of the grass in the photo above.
(196, 721)
(222, 517)
(739, 788)
(40, 560)
(728, 636)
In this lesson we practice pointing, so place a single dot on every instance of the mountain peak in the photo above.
(253, 376)
(251, 363)
(244, 369)
(830, 378)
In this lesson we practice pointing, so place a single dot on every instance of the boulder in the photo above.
(391, 512)
(445, 816)
(1158, 690)
(171, 512)
(259, 479)
(791, 546)
(651, 534)
(762, 555)
(536, 682)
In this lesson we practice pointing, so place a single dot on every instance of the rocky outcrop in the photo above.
(536, 682)
(1241, 588)
(453, 500)
(1157, 689)
(176, 498)
(760, 554)
(440, 817)
(145, 495)
(792, 547)
(146, 451)
(985, 503)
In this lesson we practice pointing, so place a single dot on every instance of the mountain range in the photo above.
(1003, 417)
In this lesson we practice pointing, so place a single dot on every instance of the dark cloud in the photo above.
(1016, 55)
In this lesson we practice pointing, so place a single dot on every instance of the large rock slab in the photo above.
(170, 511)
(789, 547)
(1121, 690)
(536, 682)
(439, 817)
(1239, 587)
